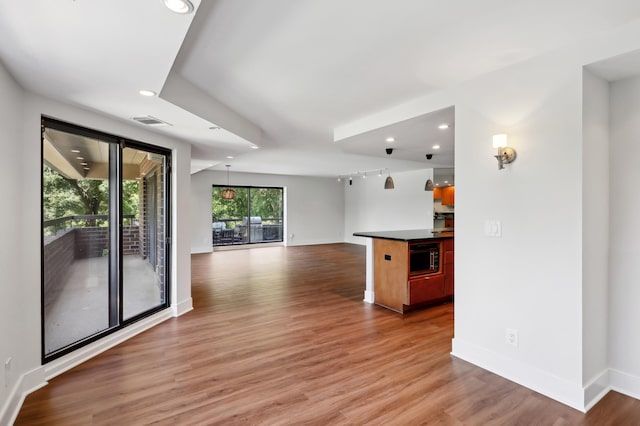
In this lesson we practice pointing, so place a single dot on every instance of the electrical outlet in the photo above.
(511, 336)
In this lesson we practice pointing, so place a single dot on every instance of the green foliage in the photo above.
(265, 202)
(130, 200)
(66, 197)
(58, 196)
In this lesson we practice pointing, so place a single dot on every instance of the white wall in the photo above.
(595, 232)
(624, 271)
(314, 206)
(530, 278)
(370, 207)
(20, 168)
(12, 284)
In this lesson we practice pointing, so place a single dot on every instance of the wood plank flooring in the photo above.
(281, 336)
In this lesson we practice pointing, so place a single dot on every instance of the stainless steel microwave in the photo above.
(424, 258)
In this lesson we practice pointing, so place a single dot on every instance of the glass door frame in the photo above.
(249, 188)
(116, 300)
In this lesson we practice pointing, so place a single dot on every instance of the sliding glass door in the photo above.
(104, 234)
(254, 215)
(76, 240)
(143, 254)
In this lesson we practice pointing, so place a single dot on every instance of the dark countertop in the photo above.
(409, 235)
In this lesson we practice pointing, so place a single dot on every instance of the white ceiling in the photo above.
(617, 68)
(283, 74)
(413, 139)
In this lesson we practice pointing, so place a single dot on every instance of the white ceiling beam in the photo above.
(182, 93)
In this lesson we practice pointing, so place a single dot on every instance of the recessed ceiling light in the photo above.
(75, 151)
(446, 181)
(443, 126)
(85, 164)
(255, 147)
(179, 6)
(436, 147)
(147, 92)
(86, 168)
(79, 158)
(229, 157)
(390, 139)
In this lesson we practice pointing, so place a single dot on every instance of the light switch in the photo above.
(493, 228)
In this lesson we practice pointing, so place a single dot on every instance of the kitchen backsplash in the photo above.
(439, 208)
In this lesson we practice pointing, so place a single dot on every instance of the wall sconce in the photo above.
(506, 154)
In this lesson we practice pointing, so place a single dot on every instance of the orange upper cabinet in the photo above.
(448, 195)
(437, 194)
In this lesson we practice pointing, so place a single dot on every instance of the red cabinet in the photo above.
(448, 267)
(449, 196)
(425, 288)
(437, 194)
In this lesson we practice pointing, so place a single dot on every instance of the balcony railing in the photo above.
(236, 231)
(53, 226)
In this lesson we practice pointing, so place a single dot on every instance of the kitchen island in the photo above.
(410, 268)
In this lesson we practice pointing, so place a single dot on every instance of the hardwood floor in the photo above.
(281, 336)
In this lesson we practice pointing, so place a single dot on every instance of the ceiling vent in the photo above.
(151, 121)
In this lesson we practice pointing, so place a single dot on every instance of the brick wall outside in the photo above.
(149, 168)
(161, 234)
(131, 240)
(59, 254)
(91, 242)
(142, 216)
(62, 250)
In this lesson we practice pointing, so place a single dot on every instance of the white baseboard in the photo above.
(625, 383)
(27, 383)
(183, 307)
(313, 242)
(596, 389)
(369, 296)
(554, 387)
(203, 249)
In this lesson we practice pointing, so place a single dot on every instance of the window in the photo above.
(253, 216)
(104, 234)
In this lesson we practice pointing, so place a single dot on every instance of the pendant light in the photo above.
(428, 186)
(388, 183)
(228, 193)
